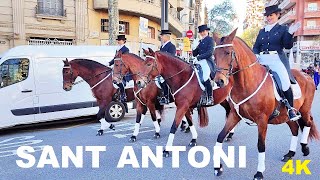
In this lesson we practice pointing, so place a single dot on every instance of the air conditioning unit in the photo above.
(122, 28)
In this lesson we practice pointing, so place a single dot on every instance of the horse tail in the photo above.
(314, 133)
(203, 116)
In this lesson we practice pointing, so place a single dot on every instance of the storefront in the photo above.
(310, 52)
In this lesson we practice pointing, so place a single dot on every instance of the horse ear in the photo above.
(66, 62)
(216, 38)
(151, 51)
(232, 35)
(146, 52)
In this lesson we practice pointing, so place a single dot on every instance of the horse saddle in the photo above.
(277, 87)
(203, 76)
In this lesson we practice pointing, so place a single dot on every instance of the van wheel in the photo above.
(115, 111)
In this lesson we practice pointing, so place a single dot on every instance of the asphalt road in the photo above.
(83, 134)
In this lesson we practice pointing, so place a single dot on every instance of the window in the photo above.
(151, 32)
(13, 71)
(311, 24)
(123, 26)
(312, 7)
(50, 7)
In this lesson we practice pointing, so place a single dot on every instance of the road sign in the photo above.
(189, 34)
(186, 44)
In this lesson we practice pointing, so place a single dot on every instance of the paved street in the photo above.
(278, 142)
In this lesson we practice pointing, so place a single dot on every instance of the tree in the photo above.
(221, 17)
(249, 35)
(113, 13)
(206, 20)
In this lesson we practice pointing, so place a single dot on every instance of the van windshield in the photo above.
(13, 71)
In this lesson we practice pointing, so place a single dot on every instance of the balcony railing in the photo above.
(49, 42)
(311, 27)
(40, 10)
(288, 17)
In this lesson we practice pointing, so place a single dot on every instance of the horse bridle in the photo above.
(233, 58)
(78, 82)
(120, 72)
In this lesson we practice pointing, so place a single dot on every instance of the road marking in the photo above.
(125, 135)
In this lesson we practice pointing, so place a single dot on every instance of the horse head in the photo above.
(119, 69)
(69, 75)
(225, 58)
(151, 68)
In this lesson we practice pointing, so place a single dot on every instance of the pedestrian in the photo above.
(269, 45)
(121, 40)
(316, 75)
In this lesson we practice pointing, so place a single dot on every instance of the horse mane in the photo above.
(238, 38)
(175, 57)
(91, 64)
(134, 55)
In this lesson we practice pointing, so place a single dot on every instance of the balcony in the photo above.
(272, 2)
(150, 9)
(315, 30)
(311, 14)
(288, 17)
(286, 4)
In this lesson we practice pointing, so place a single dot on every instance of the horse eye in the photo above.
(227, 52)
(148, 64)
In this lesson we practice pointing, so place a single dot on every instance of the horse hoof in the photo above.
(166, 153)
(258, 176)
(229, 137)
(112, 127)
(156, 136)
(305, 149)
(288, 156)
(187, 130)
(133, 139)
(193, 143)
(99, 133)
(218, 171)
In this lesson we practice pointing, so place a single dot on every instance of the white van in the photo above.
(31, 84)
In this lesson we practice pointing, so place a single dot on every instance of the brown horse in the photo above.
(184, 85)
(98, 76)
(145, 98)
(252, 97)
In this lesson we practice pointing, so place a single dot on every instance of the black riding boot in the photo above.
(291, 112)
(165, 90)
(209, 92)
(123, 97)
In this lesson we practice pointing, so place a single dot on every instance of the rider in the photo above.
(269, 49)
(204, 52)
(166, 46)
(122, 47)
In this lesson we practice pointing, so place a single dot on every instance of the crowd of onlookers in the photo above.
(313, 70)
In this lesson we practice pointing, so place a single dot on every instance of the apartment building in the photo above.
(75, 22)
(307, 38)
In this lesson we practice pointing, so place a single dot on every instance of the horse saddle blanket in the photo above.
(128, 85)
(158, 80)
(277, 87)
(202, 71)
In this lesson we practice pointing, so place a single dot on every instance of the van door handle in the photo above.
(26, 91)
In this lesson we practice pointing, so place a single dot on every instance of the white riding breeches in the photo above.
(275, 64)
(205, 69)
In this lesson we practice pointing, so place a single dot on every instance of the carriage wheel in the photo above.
(115, 111)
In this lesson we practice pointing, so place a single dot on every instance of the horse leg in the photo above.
(294, 127)
(227, 107)
(232, 120)
(262, 131)
(305, 125)
(153, 114)
(103, 123)
(192, 129)
(180, 112)
(185, 125)
(141, 111)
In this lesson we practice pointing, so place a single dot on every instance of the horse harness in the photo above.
(230, 73)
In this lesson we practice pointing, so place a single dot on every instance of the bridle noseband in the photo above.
(154, 67)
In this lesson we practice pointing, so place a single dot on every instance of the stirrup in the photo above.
(293, 117)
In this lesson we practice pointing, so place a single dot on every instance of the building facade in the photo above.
(76, 22)
(307, 39)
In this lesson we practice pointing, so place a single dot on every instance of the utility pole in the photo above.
(164, 15)
(113, 13)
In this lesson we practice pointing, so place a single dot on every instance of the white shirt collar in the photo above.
(269, 27)
(165, 44)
